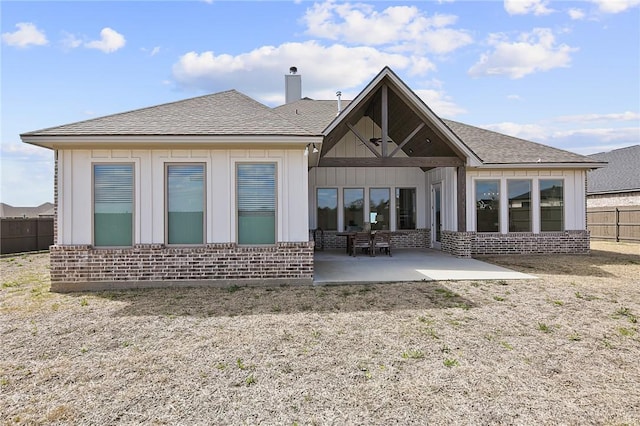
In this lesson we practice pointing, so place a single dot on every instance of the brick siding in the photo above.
(82, 267)
(467, 244)
(418, 238)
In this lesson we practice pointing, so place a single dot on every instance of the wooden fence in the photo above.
(614, 223)
(18, 235)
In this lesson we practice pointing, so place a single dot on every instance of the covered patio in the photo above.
(336, 267)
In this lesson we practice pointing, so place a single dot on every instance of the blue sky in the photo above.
(565, 74)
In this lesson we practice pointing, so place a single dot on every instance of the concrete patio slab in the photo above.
(336, 267)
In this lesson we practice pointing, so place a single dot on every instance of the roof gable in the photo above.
(410, 119)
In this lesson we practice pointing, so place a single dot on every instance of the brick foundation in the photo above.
(467, 244)
(417, 238)
(82, 267)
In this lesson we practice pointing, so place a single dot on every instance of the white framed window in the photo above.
(519, 205)
(256, 201)
(113, 204)
(406, 208)
(185, 203)
(327, 209)
(551, 205)
(353, 210)
(487, 198)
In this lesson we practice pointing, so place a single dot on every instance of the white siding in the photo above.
(75, 191)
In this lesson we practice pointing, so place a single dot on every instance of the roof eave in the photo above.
(542, 165)
(130, 141)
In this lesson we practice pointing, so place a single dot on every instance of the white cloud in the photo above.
(576, 14)
(26, 35)
(155, 51)
(514, 97)
(110, 41)
(259, 72)
(400, 27)
(70, 41)
(534, 132)
(623, 116)
(604, 134)
(524, 7)
(439, 102)
(532, 52)
(615, 6)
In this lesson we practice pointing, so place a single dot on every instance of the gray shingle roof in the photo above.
(224, 113)
(497, 148)
(491, 147)
(233, 113)
(622, 174)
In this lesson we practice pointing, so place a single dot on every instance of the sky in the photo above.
(565, 74)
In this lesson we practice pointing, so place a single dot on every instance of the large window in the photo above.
(405, 208)
(353, 209)
(256, 198)
(327, 203)
(185, 204)
(487, 205)
(112, 205)
(551, 205)
(379, 208)
(519, 205)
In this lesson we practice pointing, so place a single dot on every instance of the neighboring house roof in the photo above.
(622, 174)
(45, 209)
(234, 114)
(223, 113)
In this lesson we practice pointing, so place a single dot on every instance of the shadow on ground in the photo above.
(236, 301)
(565, 264)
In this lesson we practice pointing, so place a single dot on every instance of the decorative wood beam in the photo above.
(462, 198)
(363, 140)
(407, 139)
(385, 119)
(390, 162)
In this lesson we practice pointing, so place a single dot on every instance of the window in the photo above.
(354, 209)
(487, 205)
(405, 208)
(379, 208)
(327, 205)
(256, 200)
(185, 204)
(519, 205)
(112, 205)
(551, 205)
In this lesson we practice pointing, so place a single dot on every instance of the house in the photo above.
(617, 184)
(43, 210)
(223, 188)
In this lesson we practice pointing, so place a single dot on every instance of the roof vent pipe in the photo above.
(339, 95)
(292, 86)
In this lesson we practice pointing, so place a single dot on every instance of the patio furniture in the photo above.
(361, 240)
(381, 241)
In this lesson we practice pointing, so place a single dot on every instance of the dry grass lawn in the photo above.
(561, 349)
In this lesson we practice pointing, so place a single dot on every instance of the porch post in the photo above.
(462, 198)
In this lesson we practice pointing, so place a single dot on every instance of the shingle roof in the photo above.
(491, 147)
(622, 174)
(224, 113)
(497, 148)
(233, 113)
(45, 209)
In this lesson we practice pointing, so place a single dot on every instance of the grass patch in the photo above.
(413, 354)
(450, 362)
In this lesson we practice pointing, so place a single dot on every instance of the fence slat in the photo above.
(18, 235)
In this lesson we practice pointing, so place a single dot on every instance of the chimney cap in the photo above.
(293, 70)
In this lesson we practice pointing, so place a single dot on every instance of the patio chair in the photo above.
(361, 240)
(381, 241)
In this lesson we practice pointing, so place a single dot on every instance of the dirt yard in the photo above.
(562, 349)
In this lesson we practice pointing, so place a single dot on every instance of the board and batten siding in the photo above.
(75, 192)
(574, 195)
(365, 177)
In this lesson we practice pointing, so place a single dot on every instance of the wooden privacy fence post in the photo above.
(617, 225)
